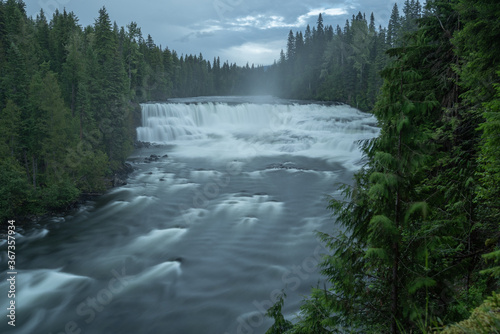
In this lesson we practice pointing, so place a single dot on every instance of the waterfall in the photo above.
(277, 127)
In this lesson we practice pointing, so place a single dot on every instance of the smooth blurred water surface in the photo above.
(200, 241)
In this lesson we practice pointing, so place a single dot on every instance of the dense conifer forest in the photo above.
(420, 241)
(420, 247)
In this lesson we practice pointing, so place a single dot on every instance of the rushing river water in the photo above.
(199, 241)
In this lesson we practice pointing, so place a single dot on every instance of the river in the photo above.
(204, 235)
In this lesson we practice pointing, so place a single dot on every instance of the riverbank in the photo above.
(28, 223)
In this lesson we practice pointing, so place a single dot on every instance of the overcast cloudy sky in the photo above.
(240, 31)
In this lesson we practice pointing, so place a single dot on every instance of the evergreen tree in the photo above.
(281, 325)
(110, 109)
(371, 27)
(307, 36)
(320, 27)
(63, 25)
(18, 62)
(42, 36)
(477, 45)
(290, 48)
(394, 27)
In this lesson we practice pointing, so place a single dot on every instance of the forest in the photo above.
(420, 247)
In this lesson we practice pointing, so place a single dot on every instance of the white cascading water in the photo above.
(245, 130)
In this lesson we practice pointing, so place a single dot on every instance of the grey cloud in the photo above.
(233, 29)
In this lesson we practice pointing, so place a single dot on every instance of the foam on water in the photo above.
(205, 175)
(162, 269)
(191, 215)
(235, 206)
(157, 237)
(36, 234)
(166, 272)
(40, 285)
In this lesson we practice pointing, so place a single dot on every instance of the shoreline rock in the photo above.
(120, 175)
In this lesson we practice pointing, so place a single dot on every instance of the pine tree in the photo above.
(393, 27)
(281, 325)
(307, 36)
(371, 27)
(53, 125)
(320, 27)
(42, 36)
(290, 48)
(63, 25)
(73, 71)
(110, 109)
(18, 55)
(477, 45)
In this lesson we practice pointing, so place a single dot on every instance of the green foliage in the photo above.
(10, 119)
(485, 319)
(93, 168)
(52, 127)
(45, 108)
(495, 258)
(314, 315)
(14, 189)
(489, 159)
(59, 195)
(281, 325)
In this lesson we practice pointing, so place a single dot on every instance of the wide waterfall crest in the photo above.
(163, 123)
(231, 130)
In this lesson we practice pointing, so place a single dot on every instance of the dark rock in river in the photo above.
(118, 182)
(142, 144)
(285, 165)
(153, 157)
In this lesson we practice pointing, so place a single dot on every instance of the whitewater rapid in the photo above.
(219, 130)
(203, 236)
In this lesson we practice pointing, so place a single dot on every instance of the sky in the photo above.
(239, 31)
